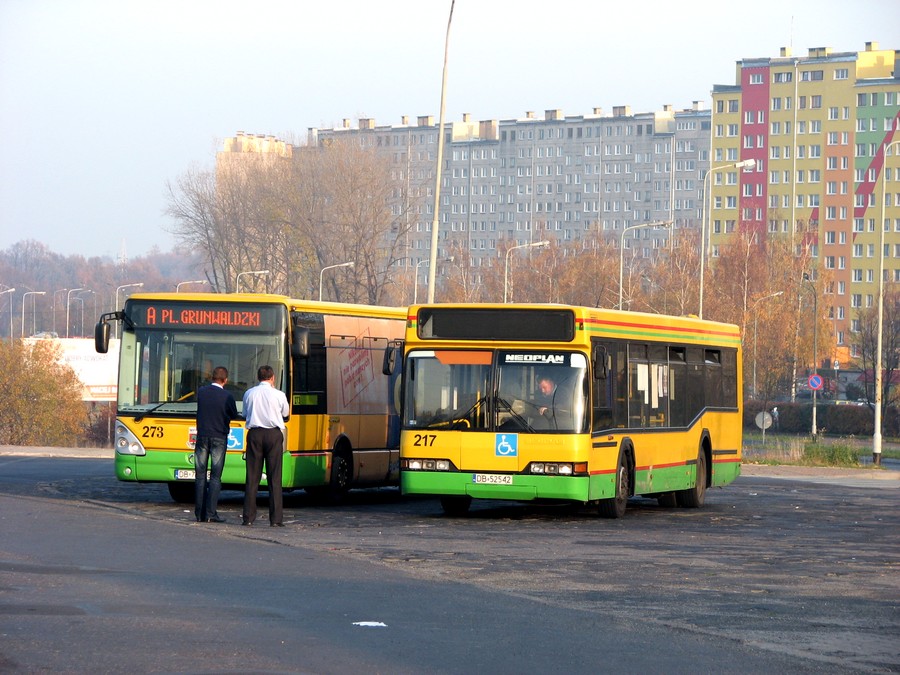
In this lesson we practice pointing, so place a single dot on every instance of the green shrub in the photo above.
(834, 454)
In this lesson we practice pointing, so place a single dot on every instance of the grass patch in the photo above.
(801, 451)
(836, 454)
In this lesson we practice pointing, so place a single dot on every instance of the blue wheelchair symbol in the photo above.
(507, 445)
(236, 439)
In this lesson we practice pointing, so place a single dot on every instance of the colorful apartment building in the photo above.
(824, 133)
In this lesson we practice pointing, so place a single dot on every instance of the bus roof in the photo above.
(588, 322)
(296, 305)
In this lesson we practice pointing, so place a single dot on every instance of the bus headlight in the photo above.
(127, 443)
(557, 468)
(425, 464)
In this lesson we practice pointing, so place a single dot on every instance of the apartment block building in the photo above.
(824, 132)
(517, 181)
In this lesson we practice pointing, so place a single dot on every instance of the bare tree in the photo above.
(866, 340)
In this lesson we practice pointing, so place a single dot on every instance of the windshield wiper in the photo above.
(516, 416)
(160, 405)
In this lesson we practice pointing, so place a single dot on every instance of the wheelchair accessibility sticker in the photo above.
(236, 439)
(506, 445)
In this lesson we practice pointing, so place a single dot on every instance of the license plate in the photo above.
(492, 479)
(185, 474)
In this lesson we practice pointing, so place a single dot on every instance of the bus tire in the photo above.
(693, 498)
(614, 507)
(339, 480)
(455, 505)
(182, 492)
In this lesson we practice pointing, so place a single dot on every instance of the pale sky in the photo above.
(104, 101)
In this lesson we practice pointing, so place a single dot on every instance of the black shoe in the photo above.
(216, 519)
(247, 523)
(276, 524)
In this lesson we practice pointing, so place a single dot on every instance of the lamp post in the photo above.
(331, 267)
(815, 292)
(68, 302)
(625, 230)
(427, 263)
(879, 366)
(87, 290)
(237, 281)
(10, 291)
(534, 244)
(61, 290)
(27, 293)
(755, 321)
(182, 283)
(435, 222)
(416, 284)
(707, 214)
(139, 284)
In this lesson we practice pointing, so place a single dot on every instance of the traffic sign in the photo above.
(815, 382)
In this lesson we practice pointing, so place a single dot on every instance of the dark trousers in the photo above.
(263, 445)
(210, 451)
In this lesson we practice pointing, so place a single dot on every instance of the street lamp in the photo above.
(68, 301)
(427, 263)
(81, 334)
(815, 291)
(435, 222)
(416, 284)
(876, 436)
(140, 284)
(331, 267)
(10, 291)
(625, 230)
(61, 290)
(707, 214)
(755, 321)
(27, 293)
(534, 244)
(237, 281)
(182, 283)
(137, 285)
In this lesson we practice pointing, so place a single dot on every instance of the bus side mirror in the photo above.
(390, 357)
(101, 337)
(300, 342)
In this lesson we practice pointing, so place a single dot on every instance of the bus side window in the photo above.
(603, 385)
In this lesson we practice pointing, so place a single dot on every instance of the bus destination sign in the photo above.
(205, 316)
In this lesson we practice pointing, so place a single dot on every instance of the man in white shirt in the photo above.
(265, 410)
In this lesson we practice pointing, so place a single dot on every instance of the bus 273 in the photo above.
(343, 429)
(590, 406)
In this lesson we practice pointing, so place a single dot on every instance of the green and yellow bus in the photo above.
(343, 429)
(554, 402)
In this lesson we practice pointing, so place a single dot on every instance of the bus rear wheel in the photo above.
(693, 498)
(615, 506)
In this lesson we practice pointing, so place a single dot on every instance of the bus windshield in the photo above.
(485, 390)
(162, 366)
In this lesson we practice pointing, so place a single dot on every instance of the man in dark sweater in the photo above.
(215, 410)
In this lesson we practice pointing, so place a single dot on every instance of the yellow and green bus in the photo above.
(554, 402)
(343, 429)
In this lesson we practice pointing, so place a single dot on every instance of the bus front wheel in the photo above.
(615, 506)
